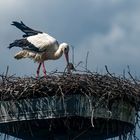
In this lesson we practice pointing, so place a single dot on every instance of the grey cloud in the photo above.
(108, 29)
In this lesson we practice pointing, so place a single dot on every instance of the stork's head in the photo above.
(65, 49)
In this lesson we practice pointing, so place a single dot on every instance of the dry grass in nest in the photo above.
(104, 86)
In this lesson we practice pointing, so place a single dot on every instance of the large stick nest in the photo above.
(104, 86)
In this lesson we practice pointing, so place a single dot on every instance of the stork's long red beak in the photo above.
(67, 57)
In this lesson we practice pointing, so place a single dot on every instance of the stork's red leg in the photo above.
(38, 70)
(44, 69)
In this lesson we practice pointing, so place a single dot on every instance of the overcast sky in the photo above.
(108, 29)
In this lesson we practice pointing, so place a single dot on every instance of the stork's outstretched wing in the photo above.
(34, 40)
(27, 30)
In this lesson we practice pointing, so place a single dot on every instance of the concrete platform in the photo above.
(66, 117)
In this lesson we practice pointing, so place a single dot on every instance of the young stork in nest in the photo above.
(38, 46)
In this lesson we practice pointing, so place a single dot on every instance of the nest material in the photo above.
(101, 86)
(105, 88)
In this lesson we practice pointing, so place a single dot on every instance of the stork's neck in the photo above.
(59, 52)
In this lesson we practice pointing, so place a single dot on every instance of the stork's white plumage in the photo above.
(38, 46)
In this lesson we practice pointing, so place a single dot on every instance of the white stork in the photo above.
(38, 46)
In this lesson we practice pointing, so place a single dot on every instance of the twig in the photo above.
(87, 60)
(7, 69)
(72, 54)
(108, 71)
(131, 75)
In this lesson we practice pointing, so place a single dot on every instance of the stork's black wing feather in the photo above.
(24, 44)
(27, 30)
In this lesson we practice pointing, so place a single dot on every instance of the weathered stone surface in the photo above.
(66, 108)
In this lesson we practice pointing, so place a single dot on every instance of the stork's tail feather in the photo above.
(27, 30)
(25, 54)
(22, 54)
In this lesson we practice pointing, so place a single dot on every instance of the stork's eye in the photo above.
(65, 49)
